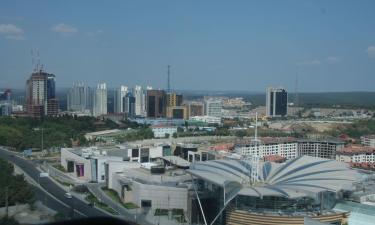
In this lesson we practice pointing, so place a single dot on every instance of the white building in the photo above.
(140, 101)
(119, 98)
(145, 153)
(368, 140)
(100, 100)
(87, 164)
(79, 98)
(153, 191)
(213, 107)
(160, 131)
(290, 148)
(356, 154)
(285, 148)
(207, 119)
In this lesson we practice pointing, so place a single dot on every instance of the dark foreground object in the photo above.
(94, 221)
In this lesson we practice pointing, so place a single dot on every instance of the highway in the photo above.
(64, 205)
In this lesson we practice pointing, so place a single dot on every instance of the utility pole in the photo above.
(42, 139)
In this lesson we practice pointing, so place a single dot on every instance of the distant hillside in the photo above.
(326, 99)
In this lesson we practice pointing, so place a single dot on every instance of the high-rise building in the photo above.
(79, 98)
(100, 100)
(40, 95)
(129, 105)
(119, 97)
(178, 112)
(140, 101)
(196, 109)
(5, 103)
(276, 102)
(174, 99)
(213, 107)
(156, 103)
(5, 95)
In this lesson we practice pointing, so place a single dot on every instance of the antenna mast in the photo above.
(296, 100)
(169, 78)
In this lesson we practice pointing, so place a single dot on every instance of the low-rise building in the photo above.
(290, 148)
(356, 154)
(368, 140)
(146, 153)
(161, 131)
(285, 147)
(206, 119)
(87, 164)
(153, 187)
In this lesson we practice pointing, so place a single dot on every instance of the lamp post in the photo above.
(42, 138)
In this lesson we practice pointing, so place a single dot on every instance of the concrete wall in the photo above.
(159, 195)
(67, 155)
(115, 167)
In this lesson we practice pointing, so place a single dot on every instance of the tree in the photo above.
(240, 133)
(167, 135)
(175, 135)
(13, 186)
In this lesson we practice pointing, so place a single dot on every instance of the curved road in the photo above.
(80, 207)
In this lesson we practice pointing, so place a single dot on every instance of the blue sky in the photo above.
(211, 45)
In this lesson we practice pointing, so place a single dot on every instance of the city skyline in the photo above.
(243, 46)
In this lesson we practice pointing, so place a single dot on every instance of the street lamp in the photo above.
(42, 129)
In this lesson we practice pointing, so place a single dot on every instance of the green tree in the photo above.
(240, 133)
(13, 186)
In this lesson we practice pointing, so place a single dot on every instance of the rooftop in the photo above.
(356, 149)
(302, 176)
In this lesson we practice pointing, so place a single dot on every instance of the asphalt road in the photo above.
(80, 207)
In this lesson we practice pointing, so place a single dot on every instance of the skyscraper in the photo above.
(276, 102)
(79, 98)
(40, 95)
(129, 105)
(156, 103)
(119, 97)
(100, 100)
(140, 101)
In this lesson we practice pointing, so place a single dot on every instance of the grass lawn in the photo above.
(113, 194)
(92, 199)
(59, 167)
(161, 212)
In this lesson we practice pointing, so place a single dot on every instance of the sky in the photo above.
(210, 45)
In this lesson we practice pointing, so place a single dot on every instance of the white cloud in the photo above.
(12, 32)
(332, 60)
(64, 28)
(371, 51)
(15, 37)
(310, 63)
(10, 29)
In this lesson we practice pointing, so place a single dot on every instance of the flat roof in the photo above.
(175, 160)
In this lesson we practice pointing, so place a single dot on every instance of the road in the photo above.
(131, 216)
(63, 204)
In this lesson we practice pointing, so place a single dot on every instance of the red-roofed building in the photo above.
(356, 154)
